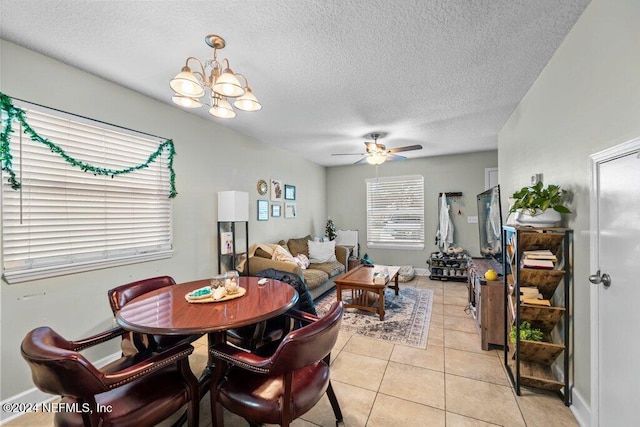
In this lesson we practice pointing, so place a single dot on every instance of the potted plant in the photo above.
(538, 205)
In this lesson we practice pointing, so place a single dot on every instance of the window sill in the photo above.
(27, 275)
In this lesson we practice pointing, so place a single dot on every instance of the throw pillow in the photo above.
(299, 246)
(281, 254)
(302, 261)
(322, 251)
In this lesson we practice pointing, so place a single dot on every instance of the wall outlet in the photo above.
(536, 178)
(472, 220)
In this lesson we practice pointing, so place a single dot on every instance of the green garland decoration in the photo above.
(6, 158)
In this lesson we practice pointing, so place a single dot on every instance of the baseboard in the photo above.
(581, 409)
(34, 398)
(421, 271)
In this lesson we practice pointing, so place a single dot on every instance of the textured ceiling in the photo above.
(445, 74)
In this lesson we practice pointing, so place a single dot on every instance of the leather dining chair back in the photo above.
(139, 390)
(282, 386)
(134, 342)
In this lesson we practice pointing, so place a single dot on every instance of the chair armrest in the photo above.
(97, 339)
(238, 357)
(342, 255)
(302, 315)
(156, 362)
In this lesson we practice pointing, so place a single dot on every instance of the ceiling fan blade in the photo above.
(407, 148)
(348, 154)
(361, 161)
(392, 157)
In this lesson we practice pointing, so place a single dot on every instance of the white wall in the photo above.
(347, 200)
(209, 159)
(586, 99)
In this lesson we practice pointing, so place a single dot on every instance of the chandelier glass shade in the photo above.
(217, 81)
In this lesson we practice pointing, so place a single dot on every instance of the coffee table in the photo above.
(360, 282)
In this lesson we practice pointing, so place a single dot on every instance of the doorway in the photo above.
(615, 293)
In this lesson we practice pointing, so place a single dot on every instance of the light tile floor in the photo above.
(452, 382)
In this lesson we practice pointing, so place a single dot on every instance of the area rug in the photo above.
(406, 319)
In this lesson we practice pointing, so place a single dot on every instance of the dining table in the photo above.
(166, 311)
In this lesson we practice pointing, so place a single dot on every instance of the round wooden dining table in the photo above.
(165, 311)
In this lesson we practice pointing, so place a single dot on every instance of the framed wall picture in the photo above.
(263, 210)
(276, 190)
(226, 245)
(290, 210)
(275, 210)
(289, 192)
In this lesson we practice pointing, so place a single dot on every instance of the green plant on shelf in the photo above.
(526, 332)
(539, 197)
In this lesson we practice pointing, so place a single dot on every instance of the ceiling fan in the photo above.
(377, 154)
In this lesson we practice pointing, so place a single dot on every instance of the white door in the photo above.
(615, 253)
(490, 178)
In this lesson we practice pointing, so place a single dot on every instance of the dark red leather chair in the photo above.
(280, 387)
(133, 342)
(138, 390)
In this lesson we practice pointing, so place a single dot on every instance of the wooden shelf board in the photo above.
(535, 375)
(541, 317)
(541, 352)
(535, 240)
(545, 280)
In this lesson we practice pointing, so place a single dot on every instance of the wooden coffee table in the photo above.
(360, 282)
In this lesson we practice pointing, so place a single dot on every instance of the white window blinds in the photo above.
(64, 220)
(395, 212)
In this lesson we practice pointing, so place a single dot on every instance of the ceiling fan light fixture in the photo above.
(376, 158)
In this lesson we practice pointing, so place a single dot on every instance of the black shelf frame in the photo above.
(231, 260)
(509, 231)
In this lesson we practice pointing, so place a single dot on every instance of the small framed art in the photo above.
(275, 210)
(276, 190)
(263, 210)
(290, 210)
(289, 192)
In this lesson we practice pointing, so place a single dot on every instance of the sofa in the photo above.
(317, 276)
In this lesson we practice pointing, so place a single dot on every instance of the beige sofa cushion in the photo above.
(299, 246)
(314, 278)
(332, 268)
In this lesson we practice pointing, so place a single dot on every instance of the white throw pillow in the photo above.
(281, 254)
(322, 251)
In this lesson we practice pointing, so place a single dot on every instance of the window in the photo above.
(395, 212)
(64, 220)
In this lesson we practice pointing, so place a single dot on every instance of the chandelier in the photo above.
(218, 80)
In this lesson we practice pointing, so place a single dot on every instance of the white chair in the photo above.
(348, 238)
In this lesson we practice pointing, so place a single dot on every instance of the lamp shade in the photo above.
(247, 102)
(228, 85)
(185, 83)
(222, 109)
(233, 206)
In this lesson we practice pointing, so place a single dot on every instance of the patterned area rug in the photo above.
(406, 319)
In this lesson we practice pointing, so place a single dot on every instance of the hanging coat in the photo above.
(445, 226)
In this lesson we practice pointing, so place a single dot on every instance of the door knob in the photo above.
(597, 278)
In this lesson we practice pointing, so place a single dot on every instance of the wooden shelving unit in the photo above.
(541, 364)
(233, 245)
